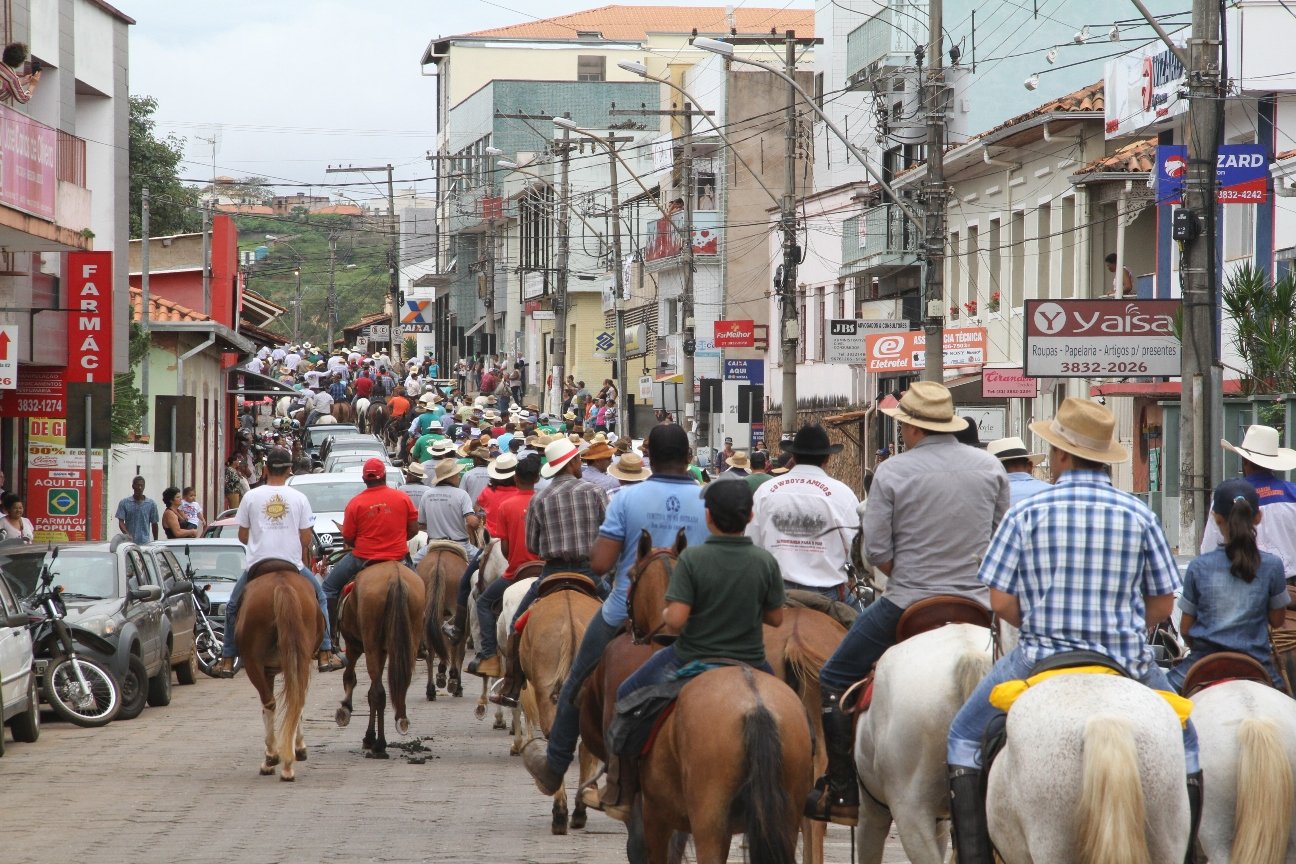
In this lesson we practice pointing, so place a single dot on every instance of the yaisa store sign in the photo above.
(90, 322)
(1101, 338)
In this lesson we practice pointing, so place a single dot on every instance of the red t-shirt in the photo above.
(363, 387)
(511, 515)
(375, 523)
(489, 500)
(497, 431)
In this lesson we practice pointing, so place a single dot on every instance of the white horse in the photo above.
(1246, 733)
(281, 407)
(1092, 773)
(900, 743)
(491, 567)
(512, 600)
(361, 407)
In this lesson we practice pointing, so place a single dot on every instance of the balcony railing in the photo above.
(878, 241)
(886, 39)
(71, 159)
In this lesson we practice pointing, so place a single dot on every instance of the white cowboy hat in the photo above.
(503, 468)
(1010, 449)
(927, 405)
(445, 469)
(557, 455)
(1260, 447)
(415, 469)
(441, 448)
(1085, 429)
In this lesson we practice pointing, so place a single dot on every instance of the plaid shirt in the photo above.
(563, 520)
(1080, 558)
(338, 391)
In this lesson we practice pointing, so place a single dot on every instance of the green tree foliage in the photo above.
(155, 162)
(128, 403)
(1264, 314)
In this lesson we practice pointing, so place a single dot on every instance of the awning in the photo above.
(243, 383)
(474, 328)
(674, 378)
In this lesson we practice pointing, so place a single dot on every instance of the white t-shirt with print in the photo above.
(274, 517)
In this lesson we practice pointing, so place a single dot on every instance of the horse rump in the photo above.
(397, 635)
(762, 805)
(1263, 817)
(295, 646)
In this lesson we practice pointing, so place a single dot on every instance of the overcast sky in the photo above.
(292, 86)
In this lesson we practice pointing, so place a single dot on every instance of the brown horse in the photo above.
(343, 412)
(380, 620)
(278, 630)
(555, 626)
(375, 418)
(441, 569)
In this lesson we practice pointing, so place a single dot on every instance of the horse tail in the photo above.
(764, 803)
(1262, 821)
(396, 628)
(433, 636)
(970, 669)
(565, 649)
(295, 650)
(1112, 810)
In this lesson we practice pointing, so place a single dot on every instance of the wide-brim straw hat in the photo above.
(504, 467)
(415, 469)
(597, 452)
(1260, 446)
(557, 455)
(441, 448)
(1085, 429)
(445, 469)
(928, 405)
(739, 460)
(630, 468)
(1011, 449)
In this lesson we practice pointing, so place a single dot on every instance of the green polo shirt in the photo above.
(729, 583)
(423, 444)
(755, 480)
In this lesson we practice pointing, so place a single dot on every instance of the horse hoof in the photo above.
(266, 770)
(300, 755)
(578, 819)
(431, 695)
(441, 680)
(287, 776)
(500, 724)
(480, 712)
(343, 716)
(271, 761)
(402, 726)
(376, 754)
(456, 690)
(559, 827)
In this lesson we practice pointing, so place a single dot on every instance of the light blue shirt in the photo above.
(661, 505)
(1022, 485)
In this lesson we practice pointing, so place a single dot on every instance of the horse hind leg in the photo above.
(271, 755)
(588, 766)
(343, 715)
(299, 748)
(377, 738)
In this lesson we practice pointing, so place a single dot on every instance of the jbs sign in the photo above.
(90, 318)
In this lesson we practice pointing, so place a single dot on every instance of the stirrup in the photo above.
(821, 806)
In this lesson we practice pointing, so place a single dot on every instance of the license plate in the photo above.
(39, 666)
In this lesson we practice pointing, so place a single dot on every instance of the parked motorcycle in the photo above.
(78, 688)
(208, 634)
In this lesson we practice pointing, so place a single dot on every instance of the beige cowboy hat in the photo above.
(441, 448)
(597, 452)
(600, 438)
(557, 455)
(1085, 429)
(927, 405)
(630, 468)
(415, 469)
(504, 467)
(569, 416)
(1260, 446)
(445, 469)
(739, 460)
(1010, 449)
(474, 449)
(428, 398)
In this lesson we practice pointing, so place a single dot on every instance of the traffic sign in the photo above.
(8, 356)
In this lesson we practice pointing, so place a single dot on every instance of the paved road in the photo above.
(180, 784)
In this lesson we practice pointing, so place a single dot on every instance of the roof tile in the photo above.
(162, 309)
(1137, 157)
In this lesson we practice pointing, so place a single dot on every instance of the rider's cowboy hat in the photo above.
(503, 467)
(1085, 429)
(597, 452)
(557, 455)
(1011, 449)
(415, 469)
(630, 467)
(812, 440)
(1260, 446)
(441, 448)
(927, 405)
(445, 469)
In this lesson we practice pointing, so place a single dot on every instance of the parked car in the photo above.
(328, 495)
(352, 443)
(180, 608)
(215, 561)
(339, 457)
(19, 692)
(223, 528)
(313, 437)
(111, 590)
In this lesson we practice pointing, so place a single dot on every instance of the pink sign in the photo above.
(1007, 384)
(28, 164)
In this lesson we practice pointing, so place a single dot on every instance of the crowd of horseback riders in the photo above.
(950, 531)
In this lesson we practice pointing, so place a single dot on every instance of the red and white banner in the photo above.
(90, 355)
(28, 164)
(735, 334)
(906, 352)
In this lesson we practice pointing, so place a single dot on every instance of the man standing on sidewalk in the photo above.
(137, 516)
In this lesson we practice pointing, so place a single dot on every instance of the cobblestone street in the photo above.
(180, 784)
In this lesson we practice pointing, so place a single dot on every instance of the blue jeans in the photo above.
(229, 649)
(873, 632)
(534, 590)
(566, 725)
(658, 669)
(486, 616)
(972, 720)
(1179, 671)
(832, 592)
(465, 584)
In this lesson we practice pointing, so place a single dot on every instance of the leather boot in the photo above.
(967, 817)
(620, 788)
(835, 797)
(1194, 816)
(454, 630)
(511, 690)
(334, 625)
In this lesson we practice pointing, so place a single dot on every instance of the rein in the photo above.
(635, 573)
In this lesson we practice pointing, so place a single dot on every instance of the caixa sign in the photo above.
(90, 317)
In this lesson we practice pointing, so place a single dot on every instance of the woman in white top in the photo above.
(15, 525)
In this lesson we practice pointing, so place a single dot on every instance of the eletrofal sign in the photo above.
(1101, 338)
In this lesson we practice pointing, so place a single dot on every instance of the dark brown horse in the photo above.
(380, 619)
(343, 412)
(441, 569)
(375, 418)
(278, 630)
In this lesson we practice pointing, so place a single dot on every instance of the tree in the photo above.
(154, 162)
(1264, 314)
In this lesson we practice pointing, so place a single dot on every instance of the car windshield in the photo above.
(213, 562)
(88, 574)
(317, 434)
(330, 497)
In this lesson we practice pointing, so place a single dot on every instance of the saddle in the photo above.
(271, 565)
(528, 570)
(555, 582)
(1224, 666)
(448, 546)
(840, 612)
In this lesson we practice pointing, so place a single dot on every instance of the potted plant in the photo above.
(971, 307)
(954, 311)
(994, 302)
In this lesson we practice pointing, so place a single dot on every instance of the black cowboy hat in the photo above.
(970, 435)
(812, 441)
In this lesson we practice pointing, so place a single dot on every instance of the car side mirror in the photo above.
(17, 620)
(181, 586)
(146, 594)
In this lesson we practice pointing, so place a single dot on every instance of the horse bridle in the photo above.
(635, 572)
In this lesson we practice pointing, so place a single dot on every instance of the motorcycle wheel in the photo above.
(63, 693)
(134, 689)
(207, 648)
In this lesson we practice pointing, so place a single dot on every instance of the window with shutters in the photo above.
(591, 67)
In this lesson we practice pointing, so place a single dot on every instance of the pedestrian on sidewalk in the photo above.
(137, 515)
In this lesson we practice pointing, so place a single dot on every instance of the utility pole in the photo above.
(332, 292)
(393, 255)
(297, 310)
(144, 308)
(206, 257)
(489, 263)
(934, 239)
(791, 335)
(1198, 349)
(618, 285)
(560, 295)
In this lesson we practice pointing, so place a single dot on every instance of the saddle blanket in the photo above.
(1004, 695)
(640, 715)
